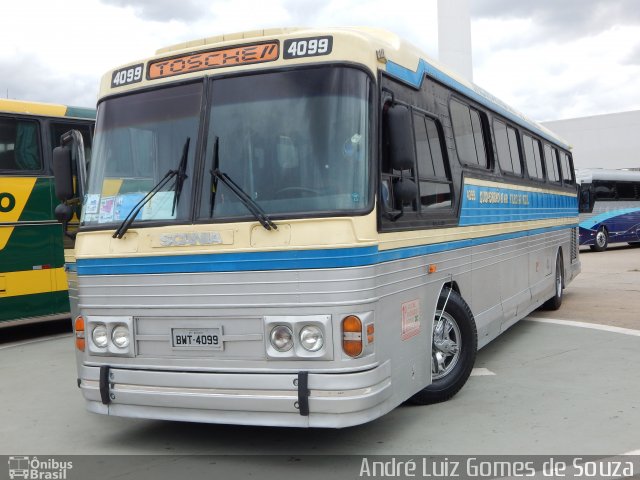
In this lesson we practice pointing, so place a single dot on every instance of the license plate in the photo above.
(196, 338)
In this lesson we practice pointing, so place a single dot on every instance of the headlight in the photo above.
(281, 338)
(99, 335)
(311, 338)
(120, 336)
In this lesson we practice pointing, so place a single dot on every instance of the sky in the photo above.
(549, 59)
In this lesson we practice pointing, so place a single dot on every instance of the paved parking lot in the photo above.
(541, 388)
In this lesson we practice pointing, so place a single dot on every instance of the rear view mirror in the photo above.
(586, 198)
(400, 133)
(404, 192)
(63, 173)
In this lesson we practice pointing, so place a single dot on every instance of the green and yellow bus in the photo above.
(33, 284)
(306, 227)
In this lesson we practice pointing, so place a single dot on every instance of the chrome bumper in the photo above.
(278, 399)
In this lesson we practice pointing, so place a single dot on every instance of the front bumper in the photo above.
(278, 399)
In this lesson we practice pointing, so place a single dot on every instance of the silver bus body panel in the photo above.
(205, 386)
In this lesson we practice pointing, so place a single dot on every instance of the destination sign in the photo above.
(218, 58)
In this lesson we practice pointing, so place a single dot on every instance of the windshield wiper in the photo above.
(246, 200)
(180, 177)
(255, 209)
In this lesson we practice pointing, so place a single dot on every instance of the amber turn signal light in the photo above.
(79, 328)
(352, 336)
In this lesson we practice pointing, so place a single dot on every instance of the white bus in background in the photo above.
(609, 207)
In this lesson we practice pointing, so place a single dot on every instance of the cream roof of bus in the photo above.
(354, 44)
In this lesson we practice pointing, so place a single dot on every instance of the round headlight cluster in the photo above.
(120, 336)
(281, 338)
(311, 338)
(100, 336)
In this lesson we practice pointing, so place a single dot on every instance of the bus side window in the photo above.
(626, 191)
(507, 146)
(435, 184)
(469, 135)
(532, 157)
(551, 162)
(567, 169)
(604, 190)
(19, 145)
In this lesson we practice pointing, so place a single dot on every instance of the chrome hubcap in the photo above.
(446, 345)
(601, 238)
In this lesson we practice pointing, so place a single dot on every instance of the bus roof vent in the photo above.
(228, 37)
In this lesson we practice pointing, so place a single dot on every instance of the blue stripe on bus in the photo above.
(483, 205)
(591, 222)
(280, 260)
(478, 94)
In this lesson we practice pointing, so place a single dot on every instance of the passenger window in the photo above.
(434, 178)
(469, 137)
(626, 191)
(604, 190)
(567, 171)
(19, 145)
(507, 145)
(532, 157)
(551, 162)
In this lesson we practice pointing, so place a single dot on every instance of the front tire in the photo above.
(454, 343)
(602, 240)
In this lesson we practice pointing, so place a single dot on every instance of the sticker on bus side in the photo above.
(307, 47)
(410, 319)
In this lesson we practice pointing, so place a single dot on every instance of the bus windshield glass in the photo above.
(139, 138)
(296, 142)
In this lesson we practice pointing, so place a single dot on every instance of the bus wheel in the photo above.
(602, 240)
(453, 349)
(554, 302)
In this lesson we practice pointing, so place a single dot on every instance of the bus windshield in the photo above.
(295, 142)
(139, 138)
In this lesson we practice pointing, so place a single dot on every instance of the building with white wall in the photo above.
(602, 141)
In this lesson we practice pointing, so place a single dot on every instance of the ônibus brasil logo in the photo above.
(33, 468)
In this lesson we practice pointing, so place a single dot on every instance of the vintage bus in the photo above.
(33, 285)
(307, 227)
(609, 207)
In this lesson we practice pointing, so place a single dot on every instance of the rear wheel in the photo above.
(454, 344)
(602, 240)
(554, 302)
